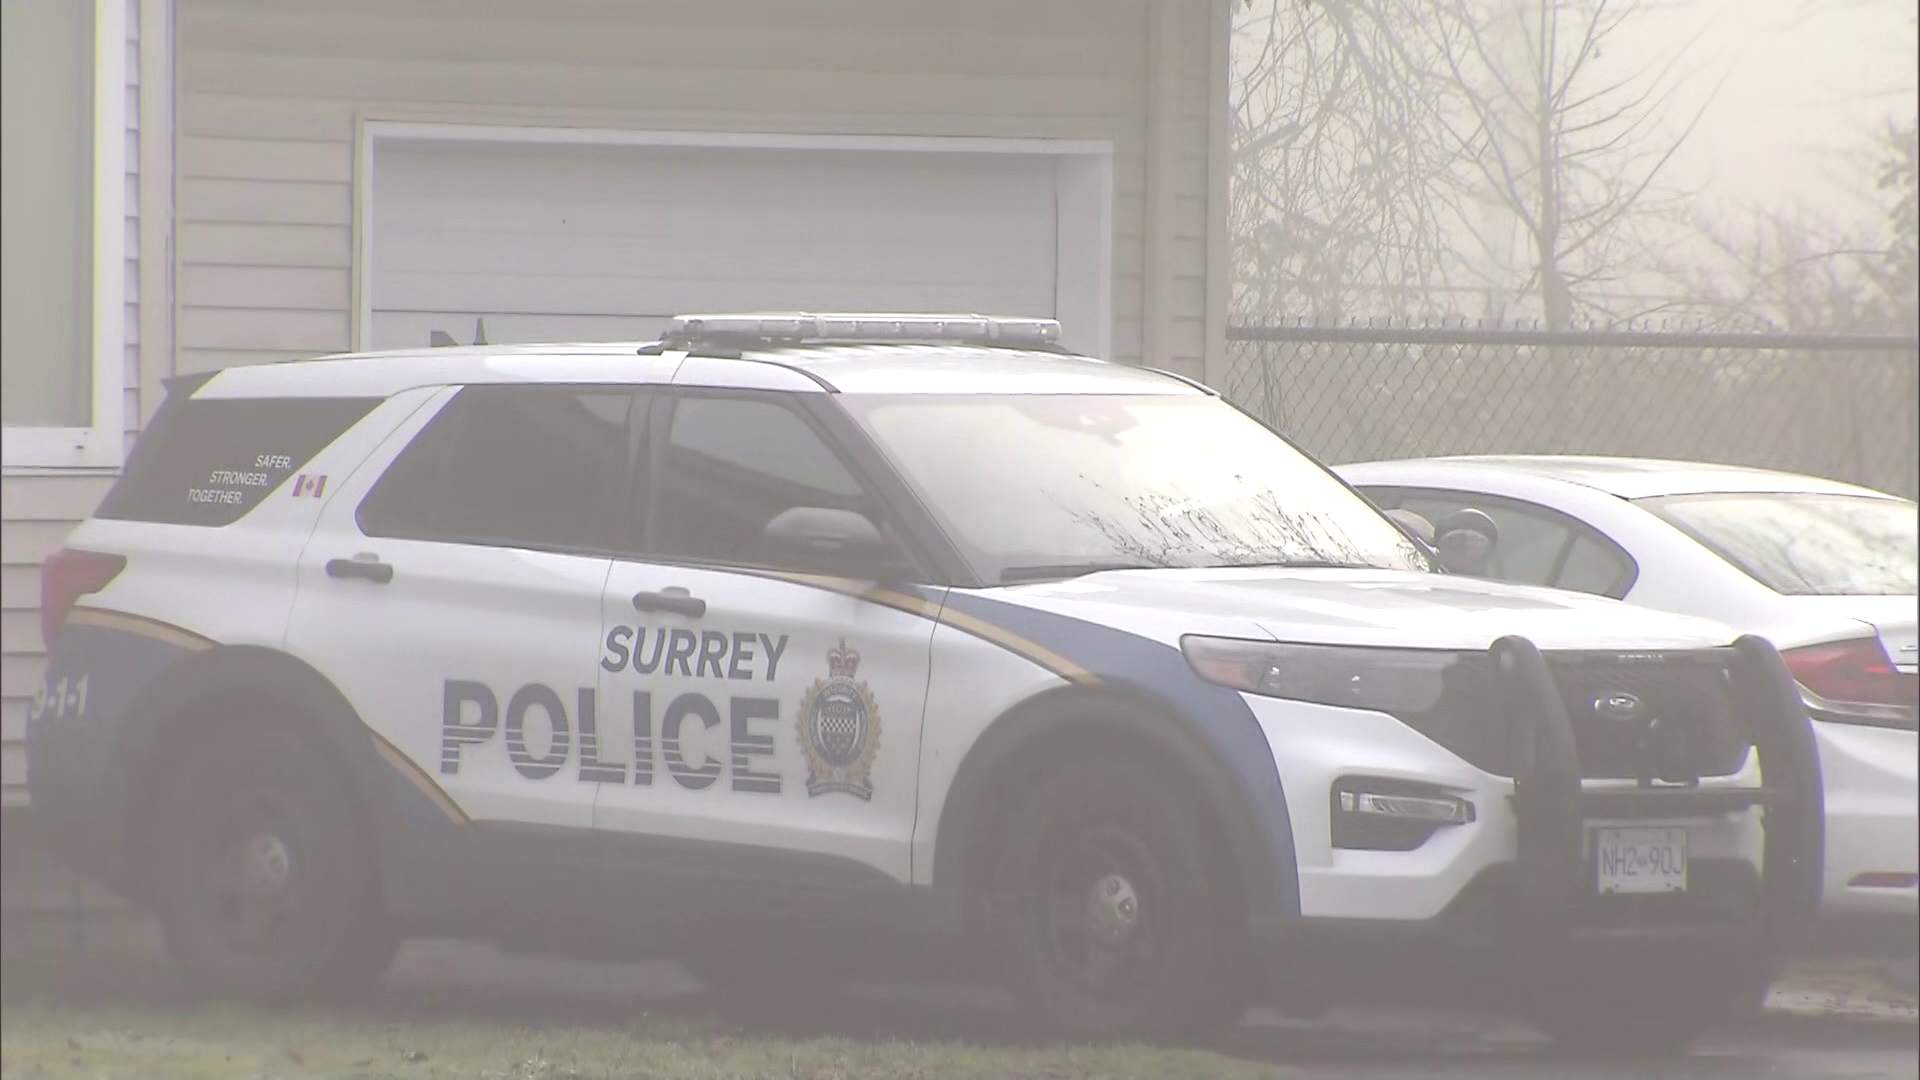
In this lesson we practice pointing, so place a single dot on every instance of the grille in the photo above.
(1682, 726)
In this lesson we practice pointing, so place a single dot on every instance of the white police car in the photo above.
(798, 646)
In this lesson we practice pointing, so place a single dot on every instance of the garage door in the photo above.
(552, 243)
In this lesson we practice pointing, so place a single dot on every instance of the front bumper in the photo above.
(1518, 882)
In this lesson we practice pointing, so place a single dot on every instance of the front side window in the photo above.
(543, 467)
(1806, 544)
(1037, 485)
(46, 213)
(732, 465)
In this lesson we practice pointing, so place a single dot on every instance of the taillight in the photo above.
(1855, 671)
(65, 577)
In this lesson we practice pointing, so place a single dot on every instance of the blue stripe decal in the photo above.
(79, 726)
(1123, 659)
(76, 726)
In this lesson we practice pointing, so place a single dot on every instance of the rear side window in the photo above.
(208, 461)
(543, 467)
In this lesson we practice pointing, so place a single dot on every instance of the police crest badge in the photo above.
(839, 728)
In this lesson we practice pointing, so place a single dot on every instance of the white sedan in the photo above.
(1825, 570)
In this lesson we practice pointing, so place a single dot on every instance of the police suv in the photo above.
(797, 647)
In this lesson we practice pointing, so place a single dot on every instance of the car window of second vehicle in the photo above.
(1536, 546)
(1807, 544)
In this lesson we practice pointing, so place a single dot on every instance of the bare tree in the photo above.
(1389, 153)
(1574, 153)
(1785, 270)
(1805, 267)
(1336, 174)
(1900, 179)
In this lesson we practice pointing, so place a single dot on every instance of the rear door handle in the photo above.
(366, 567)
(673, 598)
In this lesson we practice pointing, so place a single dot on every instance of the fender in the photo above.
(1079, 713)
(261, 673)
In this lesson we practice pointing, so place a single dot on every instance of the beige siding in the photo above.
(38, 510)
(270, 91)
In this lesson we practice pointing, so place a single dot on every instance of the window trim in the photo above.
(101, 444)
(1391, 496)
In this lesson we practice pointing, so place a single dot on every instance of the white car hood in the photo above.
(1364, 607)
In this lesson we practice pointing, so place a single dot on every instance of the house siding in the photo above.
(38, 509)
(271, 91)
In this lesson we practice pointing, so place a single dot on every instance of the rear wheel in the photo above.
(1113, 913)
(262, 877)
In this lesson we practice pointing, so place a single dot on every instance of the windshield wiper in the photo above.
(1305, 564)
(1062, 571)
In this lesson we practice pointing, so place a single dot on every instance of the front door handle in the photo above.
(673, 598)
(366, 567)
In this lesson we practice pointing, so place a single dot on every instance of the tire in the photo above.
(263, 877)
(1112, 910)
(1659, 1014)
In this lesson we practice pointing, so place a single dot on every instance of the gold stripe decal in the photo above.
(186, 639)
(418, 778)
(927, 609)
(141, 625)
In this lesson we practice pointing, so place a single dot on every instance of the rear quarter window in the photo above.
(209, 461)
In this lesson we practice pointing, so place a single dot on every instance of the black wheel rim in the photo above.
(244, 872)
(1102, 908)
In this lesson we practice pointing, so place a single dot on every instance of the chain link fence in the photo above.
(1841, 406)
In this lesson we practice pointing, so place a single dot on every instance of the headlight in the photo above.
(1353, 677)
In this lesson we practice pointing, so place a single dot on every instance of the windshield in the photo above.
(1806, 544)
(1038, 485)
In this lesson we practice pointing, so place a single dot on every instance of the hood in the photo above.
(1364, 607)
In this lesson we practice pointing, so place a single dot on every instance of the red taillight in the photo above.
(65, 577)
(1856, 671)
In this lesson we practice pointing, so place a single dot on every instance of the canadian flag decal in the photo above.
(309, 484)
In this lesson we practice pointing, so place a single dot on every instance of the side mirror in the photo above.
(1465, 540)
(827, 540)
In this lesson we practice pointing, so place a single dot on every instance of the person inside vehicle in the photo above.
(1466, 541)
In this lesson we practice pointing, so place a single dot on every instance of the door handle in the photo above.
(673, 598)
(367, 567)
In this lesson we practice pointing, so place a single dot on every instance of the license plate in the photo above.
(1640, 860)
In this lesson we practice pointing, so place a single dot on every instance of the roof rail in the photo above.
(799, 327)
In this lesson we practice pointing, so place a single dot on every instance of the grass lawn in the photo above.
(38, 1040)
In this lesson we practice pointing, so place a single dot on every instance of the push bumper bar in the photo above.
(1552, 809)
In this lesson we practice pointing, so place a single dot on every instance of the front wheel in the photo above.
(1114, 914)
(263, 878)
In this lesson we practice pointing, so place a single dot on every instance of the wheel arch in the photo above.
(1038, 733)
(188, 702)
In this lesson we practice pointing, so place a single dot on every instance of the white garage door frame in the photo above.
(1083, 263)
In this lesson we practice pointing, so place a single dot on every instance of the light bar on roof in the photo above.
(874, 327)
